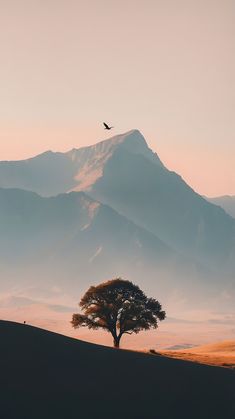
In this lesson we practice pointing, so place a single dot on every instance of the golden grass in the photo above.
(221, 354)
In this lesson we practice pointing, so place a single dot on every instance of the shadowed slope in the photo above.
(45, 375)
(160, 201)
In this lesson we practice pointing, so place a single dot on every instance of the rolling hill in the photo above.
(220, 354)
(47, 375)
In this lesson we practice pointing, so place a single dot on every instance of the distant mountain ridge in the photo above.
(51, 173)
(227, 202)
(112, 208)
(160, 201)
(71, 237)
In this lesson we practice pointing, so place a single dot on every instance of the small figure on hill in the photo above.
(24, 321)
(119, 307)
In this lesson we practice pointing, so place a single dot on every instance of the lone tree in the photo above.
(119, 307)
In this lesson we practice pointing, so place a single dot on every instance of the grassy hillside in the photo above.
(220, 354)
(49, 376)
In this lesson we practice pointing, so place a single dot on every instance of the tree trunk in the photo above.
(116, 341)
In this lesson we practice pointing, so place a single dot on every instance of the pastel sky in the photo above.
(165, 67)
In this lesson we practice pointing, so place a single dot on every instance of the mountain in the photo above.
(52, 173)
(112, 209)
(125, 174)
(47, 375)
(226, 202)
(70, 240)
(143, 190)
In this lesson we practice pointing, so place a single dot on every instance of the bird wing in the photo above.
(106, 126)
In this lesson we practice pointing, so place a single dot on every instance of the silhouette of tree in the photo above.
(119, 307)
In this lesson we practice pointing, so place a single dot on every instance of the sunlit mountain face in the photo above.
(69, 220)
(50, 173)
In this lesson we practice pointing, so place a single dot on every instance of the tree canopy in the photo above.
(118, 306)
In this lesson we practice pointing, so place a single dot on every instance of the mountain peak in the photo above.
(132, 141)
(78, 169)
(132, 138)
(91, 160)
(135, 142)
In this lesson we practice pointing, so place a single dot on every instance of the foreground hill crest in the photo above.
(53, 376)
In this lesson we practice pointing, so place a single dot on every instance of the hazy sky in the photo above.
(165, 67)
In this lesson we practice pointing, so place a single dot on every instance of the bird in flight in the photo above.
(106, 126)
